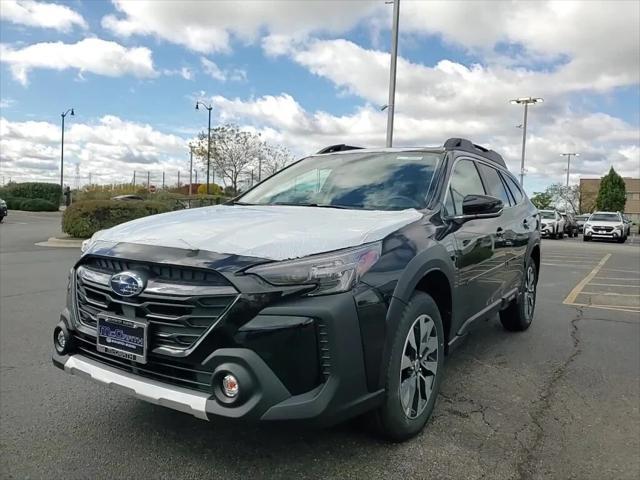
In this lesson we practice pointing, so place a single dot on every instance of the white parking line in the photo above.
(571, 298)
(614, 285)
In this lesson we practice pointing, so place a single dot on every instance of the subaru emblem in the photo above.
(127, 284)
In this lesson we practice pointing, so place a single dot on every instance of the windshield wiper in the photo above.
(319, 205)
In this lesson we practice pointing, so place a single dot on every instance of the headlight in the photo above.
(619, 227)
(331, 272)
(86, 244)
(587, 225)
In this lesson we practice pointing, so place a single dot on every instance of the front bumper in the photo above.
(546, 231)
(612, 235)
(341, 393)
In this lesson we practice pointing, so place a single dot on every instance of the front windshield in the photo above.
(372, 181)
(548, 214)
(582, 217)
(604, 217)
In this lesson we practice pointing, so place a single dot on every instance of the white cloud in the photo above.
(41, 14)
(184, 72)
(89, 55)
(111, 149)
(215, 72)
(207, 27)
(6, 103)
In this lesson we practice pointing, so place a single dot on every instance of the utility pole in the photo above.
(392, 73)
(568, 155)
(148, 180)
(526, 101)
(90, 183)
(163, 179)
(209, 108)
(63, 115)
(178, 178)
(134, 178)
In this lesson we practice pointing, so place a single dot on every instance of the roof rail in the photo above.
(341, 147)
(466, 145)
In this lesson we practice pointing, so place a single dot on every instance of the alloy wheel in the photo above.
(419, 366)
(529, 293)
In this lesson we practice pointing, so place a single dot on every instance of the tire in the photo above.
(518, 316)
(585, 238)
(561, 235)
(403, 414)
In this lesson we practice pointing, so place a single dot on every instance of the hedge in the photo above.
(83, 219)
(31, 204)
(45, 191)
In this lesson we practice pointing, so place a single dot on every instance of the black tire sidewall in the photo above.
(394, 424)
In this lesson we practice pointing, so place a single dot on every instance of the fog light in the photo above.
(60, 341)
(230, 386)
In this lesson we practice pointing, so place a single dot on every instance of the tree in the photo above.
(542, 200)
(233, 151)
(612, 193)
(566, 197)
(274, 159)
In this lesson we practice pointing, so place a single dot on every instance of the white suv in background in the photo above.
(552, 224)
(605, 225)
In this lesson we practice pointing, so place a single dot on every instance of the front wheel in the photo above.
(518, 315)
(414, 371)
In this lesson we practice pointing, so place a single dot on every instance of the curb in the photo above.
(61, 243)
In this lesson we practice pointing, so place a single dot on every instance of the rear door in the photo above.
(524, 223)
(479, 258)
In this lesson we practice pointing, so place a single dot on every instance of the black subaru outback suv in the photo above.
(332, 289)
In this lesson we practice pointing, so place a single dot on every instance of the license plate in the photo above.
(122, 338)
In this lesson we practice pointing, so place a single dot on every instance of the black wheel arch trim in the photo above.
(434, 258)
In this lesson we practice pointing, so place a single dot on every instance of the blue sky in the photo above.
(305, 75)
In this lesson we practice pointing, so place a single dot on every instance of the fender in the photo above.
(433, 257)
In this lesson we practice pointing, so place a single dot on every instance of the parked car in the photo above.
(331, 289)
(606, 226)
(3, 210)
(581, 220)
(127, 197)
(552, 224)
(570, 224)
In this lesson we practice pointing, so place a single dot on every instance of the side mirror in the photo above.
(481, 206)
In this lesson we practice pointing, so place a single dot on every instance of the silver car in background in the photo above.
(606, 226)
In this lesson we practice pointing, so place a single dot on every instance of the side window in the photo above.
(515, 189)
(494, 184)
(465, 180)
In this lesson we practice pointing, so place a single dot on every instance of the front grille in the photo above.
(602, 229)
(163, 369)
(179, 304)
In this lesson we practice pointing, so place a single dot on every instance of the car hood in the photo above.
(272, 232)
(547, 220)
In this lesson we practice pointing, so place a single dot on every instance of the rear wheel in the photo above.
(518, 315)
(586, 238)
(414, 372)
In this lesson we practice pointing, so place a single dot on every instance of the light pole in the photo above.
(392, 73)
(568, 155)
(209, 108)
(62, 150)
(190, 168)
(526, 101)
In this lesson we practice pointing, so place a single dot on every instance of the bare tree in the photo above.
(274, 158)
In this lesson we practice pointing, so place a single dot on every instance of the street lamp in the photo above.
(70, 111)
(568, 155)
(392, 73)
(209, 108)
(526, 101)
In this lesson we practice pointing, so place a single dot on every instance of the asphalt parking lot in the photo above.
(558, 401)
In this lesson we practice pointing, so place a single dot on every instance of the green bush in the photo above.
(45, 191)
(83, 219)
(31, 204)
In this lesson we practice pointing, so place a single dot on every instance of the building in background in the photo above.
(589, 192)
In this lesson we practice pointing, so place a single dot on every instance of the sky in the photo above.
(307, 74)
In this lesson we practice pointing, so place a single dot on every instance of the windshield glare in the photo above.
(604, 217)
(372, 181)
(547, 215)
